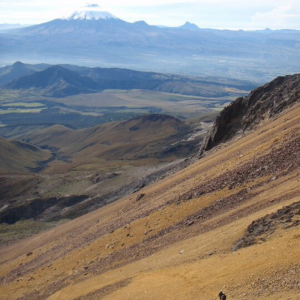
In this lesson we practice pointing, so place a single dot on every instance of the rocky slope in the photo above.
(246, 112)
(176, 240)
(264, 228)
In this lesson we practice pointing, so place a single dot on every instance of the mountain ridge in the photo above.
(64, 80)
(246, 112)
(117, 43)
(57, 81)
(19, 69)
(137, 138)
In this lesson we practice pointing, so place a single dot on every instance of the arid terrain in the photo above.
(81, 170)
(228, 221)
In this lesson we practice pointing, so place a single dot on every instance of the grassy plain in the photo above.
(174, 104)
(23, 113)
(23, 104)
(23, 229)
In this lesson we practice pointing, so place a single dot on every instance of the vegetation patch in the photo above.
(24, 104)
(23, 229)
(21, 111)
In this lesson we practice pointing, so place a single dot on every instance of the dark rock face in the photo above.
(260, 230)
(139, 197)
(246, 112)
(37, 207)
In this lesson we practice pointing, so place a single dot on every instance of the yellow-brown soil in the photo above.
(176, 241)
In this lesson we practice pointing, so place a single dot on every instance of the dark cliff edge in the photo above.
(246, 112)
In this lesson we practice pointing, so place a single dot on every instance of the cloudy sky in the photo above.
(221, 14)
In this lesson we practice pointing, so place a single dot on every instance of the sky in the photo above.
(218, 14)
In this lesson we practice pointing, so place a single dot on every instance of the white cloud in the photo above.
(283, 16)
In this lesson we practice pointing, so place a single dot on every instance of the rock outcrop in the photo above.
(262, 229)
(246, 112)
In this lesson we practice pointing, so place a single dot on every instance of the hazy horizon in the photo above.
(217, 14)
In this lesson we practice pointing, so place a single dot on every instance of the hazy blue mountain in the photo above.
(55, 81)
(19, 69)
(105, 40)
(189, 26)
(65, 80)
(6, 26)
(116, 78)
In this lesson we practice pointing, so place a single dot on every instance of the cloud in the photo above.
(283, 16)
(92, 5)
(26, 18)
(146, 3)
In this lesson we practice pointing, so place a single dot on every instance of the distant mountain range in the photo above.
(65, 80)
(55, 81)
(6, 26)
(101, 39)
(18, 70)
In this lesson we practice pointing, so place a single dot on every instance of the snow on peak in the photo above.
(90, 12)
(91, 15)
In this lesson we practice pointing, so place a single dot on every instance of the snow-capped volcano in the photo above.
(91, 15)
(90, 12)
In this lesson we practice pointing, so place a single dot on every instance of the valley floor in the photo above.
(181, 238)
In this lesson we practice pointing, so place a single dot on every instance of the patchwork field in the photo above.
(23, 111)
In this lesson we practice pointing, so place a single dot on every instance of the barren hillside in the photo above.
(150, 137)
(19, 157)
(86, 168)
(229, 221)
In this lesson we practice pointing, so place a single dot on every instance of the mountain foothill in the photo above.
(66, 80)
